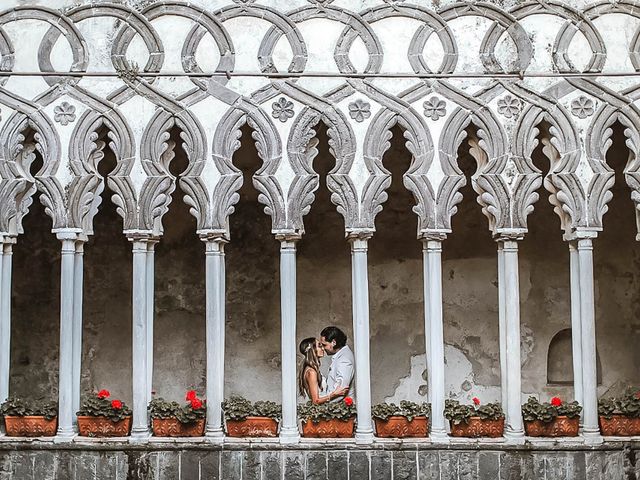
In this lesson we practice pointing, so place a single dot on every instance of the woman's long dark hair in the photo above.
(309, 360)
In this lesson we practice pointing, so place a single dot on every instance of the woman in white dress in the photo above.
(310, 381)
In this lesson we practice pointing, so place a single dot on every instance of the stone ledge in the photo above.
(231, 444)
(37, 460)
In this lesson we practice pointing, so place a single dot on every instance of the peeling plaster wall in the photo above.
(324, 296)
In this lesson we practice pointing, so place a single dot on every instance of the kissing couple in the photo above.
(337, 385)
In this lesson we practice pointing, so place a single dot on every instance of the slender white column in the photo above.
(140, 427)
(65, 375)
(5, 320)
(360, 294)
(432, 255)
(514, 429)
(77, 325)
(502, 327)
(150, 278)
(289, 432)
(576, 328)
(590, 429)
(215, 313)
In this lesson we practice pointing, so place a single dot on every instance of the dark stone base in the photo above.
(38, 460)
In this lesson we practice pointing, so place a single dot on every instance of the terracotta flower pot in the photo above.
(252, 427)
(30, 426)
(333, 428)
(172, 427)
(620, 426)
(400, 427)
(103, 427)
(478, 428)
(560, 426)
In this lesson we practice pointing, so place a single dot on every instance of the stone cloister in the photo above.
(182, 183)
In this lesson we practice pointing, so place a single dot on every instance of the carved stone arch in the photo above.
(503, 22)
(85, 153)
(157, 151)
(47, 142)
(562, 149)
(419, 143)
(269, 146)
(489, 151)
(632, 169)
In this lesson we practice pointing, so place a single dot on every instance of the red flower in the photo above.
(117, 404)
(556, 401)
(103, 394)
(638, 394)
(191, 395)
(348, 401)
(476, 400)
(196, 404)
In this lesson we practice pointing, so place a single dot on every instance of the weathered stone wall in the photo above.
(324, 296)
(264, 461)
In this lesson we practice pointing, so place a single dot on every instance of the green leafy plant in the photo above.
(407, 409)
(458, 413)
(99, 405)
(627, 405)
(548, 411)
(239, 408)
(342, 410)
(18, 407)
(190, 412)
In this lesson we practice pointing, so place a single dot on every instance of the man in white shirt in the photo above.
(342, 369)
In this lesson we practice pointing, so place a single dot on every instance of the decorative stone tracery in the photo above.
(504, 97)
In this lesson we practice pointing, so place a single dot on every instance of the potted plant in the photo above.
(328, 420)
(407, 420)
(551, 419)
(100, 417)
(247, 419)
(620, 416)
(170, 419)
(474, 420)
(24, 418)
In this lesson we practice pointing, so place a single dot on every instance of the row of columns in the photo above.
(143, 247)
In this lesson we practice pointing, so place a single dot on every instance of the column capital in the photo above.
(141, 236)
(433, 235)
(510, 234)
(579, 234)
(213, 236)
(63, 234)
(288, 237)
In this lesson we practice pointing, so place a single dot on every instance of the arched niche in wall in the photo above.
(560, 360)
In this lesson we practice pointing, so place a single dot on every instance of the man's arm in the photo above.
(344, 372)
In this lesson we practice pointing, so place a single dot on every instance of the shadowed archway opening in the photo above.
(107, 293)
(396, 288)
(545, 286)
(324, 259)
(179, 294)
(253, 290)
(35, 296)
(470, 294)
(617, 278)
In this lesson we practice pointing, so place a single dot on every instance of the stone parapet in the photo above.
(317, 460)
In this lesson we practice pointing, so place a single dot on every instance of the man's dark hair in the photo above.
(334, 333)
